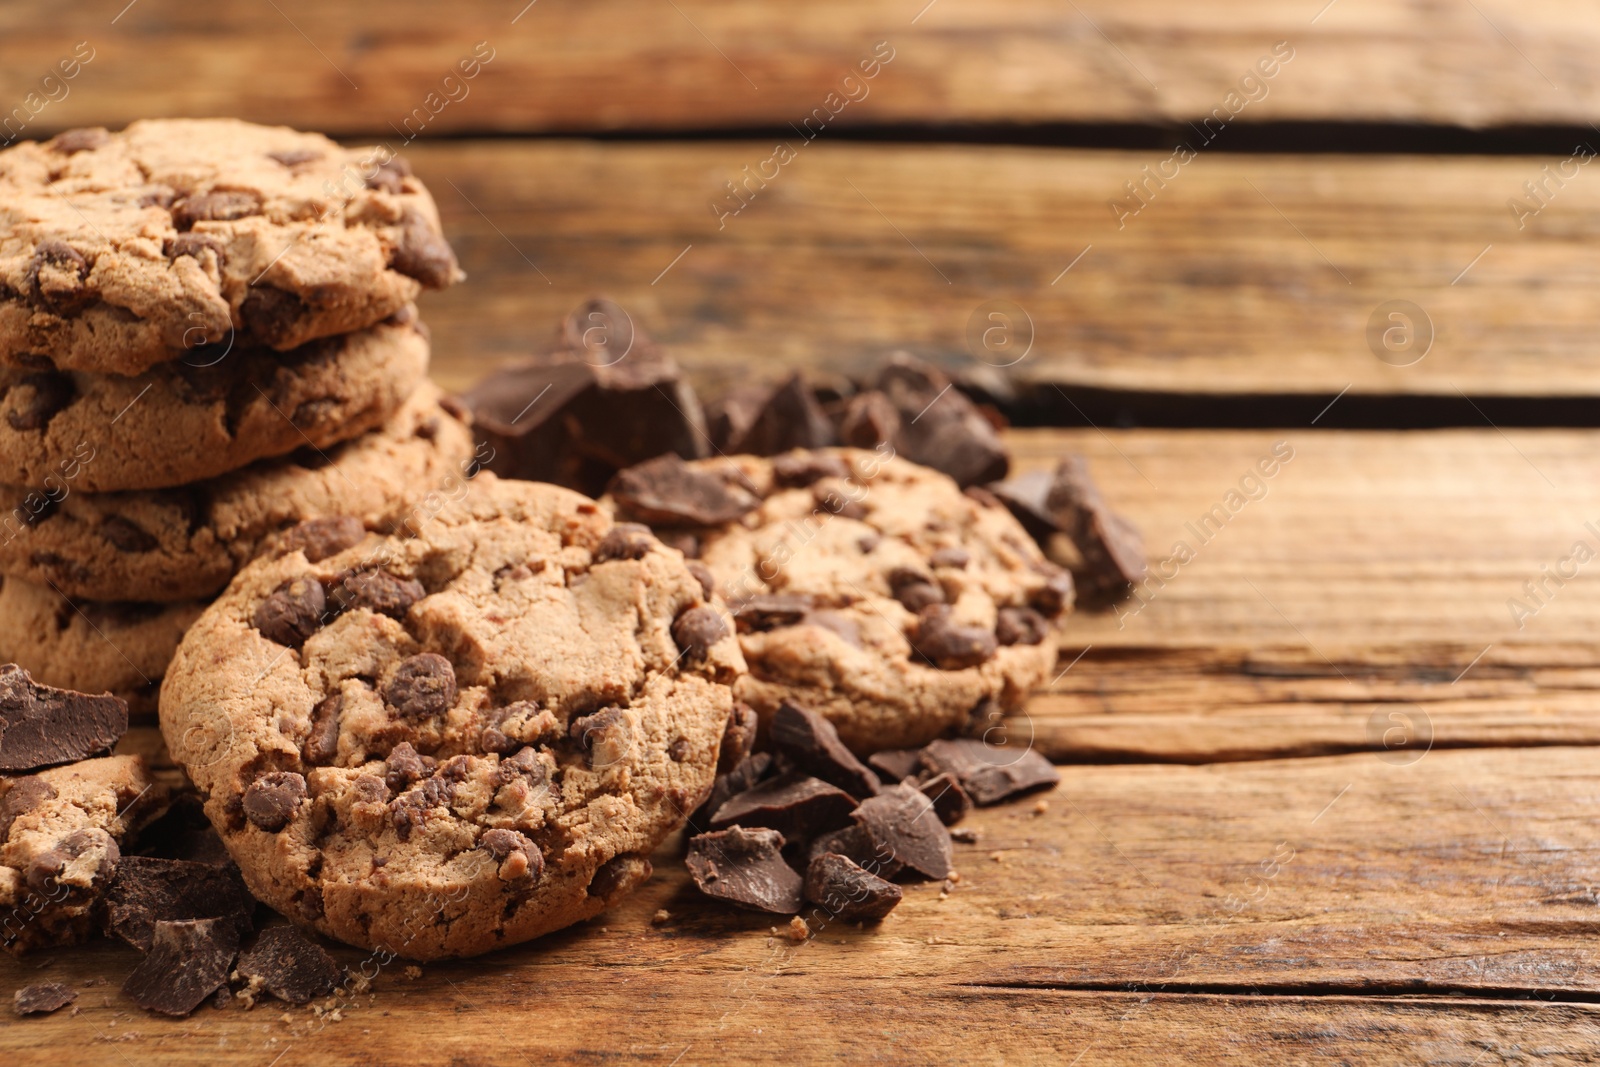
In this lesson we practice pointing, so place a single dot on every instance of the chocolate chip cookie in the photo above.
(443, 743)
(866, 588)
(205, 414)
(181, 544)
(123, 250)
(92, 647)
(61, 832)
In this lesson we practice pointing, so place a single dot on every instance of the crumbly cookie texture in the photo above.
(182, 544)
(92, 647)
(444, 743)
(122, 250)
(866, 588)
(205, 414)
(61, 832)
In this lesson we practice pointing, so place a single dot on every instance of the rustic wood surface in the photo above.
(568, 65)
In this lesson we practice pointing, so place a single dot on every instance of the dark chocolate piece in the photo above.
(271, 801)
(790, 418)
(738, 738)
(41, 726)
(902, 821)
(894, 764)
(291, 967)
(1112, 550)
(423, 687)
(1025, 496)
(989, 773)
(855, 842)
(729, 418)
(812, 743)
(293, 611)
(187, 962)
(939, 426)
(796, 805)
(948, 646)
(321, 538)
(665, 490)
(745, 774)
(769, 611)
(696, 630)
(847, 892)
(148, 890)
(42, 998)
(746, 868)
(950, 802)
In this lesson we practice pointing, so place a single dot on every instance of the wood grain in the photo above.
(1273, 910)
(1245, 275)
(570, 65)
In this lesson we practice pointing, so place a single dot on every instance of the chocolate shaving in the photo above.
(902, 821)
(290, 966)
(148, 890)
(847, 892)
(796, 805)
(812, 743)
(187, 962)
(41, 726)
(989, 773)
(746, 868)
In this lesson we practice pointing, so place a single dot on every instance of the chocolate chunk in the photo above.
(665, 490)
(1112, 550)
(811, 743)
(902, 821)
(952, 556)
(847, 892)
(519, 858)
(55, 276)
(388, 175)
(618, 875)
(294, 157)
(272, 800)
(625, 540)
(293, 612)
(836, 503)
(894, 764)
(193, 244)
(38, 398)
(746, 868)
(1025, 496)
(20, 796)
(423, 687)
(42, 998)
(80, 139)
(523, 765)
(403, 767)
(321, 538)
(378, 591)
(272, 314)
(790, 418)
(77, 864)
(950, 802)
(730, 417)
(939, 426)
(147, 890)
(855, 842)
(1021, 626)
(703, 575)
(410, 810)
(1056, 595)
(604, 735)
(800, 469)
(745, 774)
(126, 535)
(796, 805)
(948, 646)
(989, 773)
(187, 962)
(184, 833)
(220, 205)
(696, 630)
(914, 589)
(40, 726)
(847, 628)
(291, 967)
(322, 741)
(870, 419)
(737, 739)
(420, 252)
(769, 611)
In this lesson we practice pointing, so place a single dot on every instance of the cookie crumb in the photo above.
(1041, 807)
(967, 835)
(412, 972)
(998, 857)
(798, 930)
(661, 916)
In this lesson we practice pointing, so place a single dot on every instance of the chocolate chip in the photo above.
(38, 398)
(56, 274)
(894, 764)
(625, 540)
(666, 490)
(856, 843)
(952, 556)
(811, 743)
(847, 892)
(378, 591)
(423, 687)
(524, 765)
(798, 470)
(796, 805)
(703, 575)
(420, 251)
(403, 767)
(914, 589)
(989, 773)
(272, 315)
(603, 735)
(948, 646)
(791, 418)
(148, 890)
(410, 810)
(324, 537)
(61, 866)
(126, 535)
(845, 627)
(308, 904)
(293, 612)
(683, 540)
(696, 630)
(769, 611)
(80, 139)
(618, 875)
(21, 796)
(387, 177)
(745, 867)
(220, 205)
(193, 244)
(295, 157)
(950, 802)
(291, 967)
(902, 821)
(738, 738)
(322, 741)
(272, 800)
(1020, 626)
(40, 726)
(836, 503)
(519, 858)
(42, 998)
(187, 962)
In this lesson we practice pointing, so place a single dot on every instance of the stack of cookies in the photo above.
(206, 338)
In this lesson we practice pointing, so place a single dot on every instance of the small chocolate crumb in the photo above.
(847, 892)
(746, 868)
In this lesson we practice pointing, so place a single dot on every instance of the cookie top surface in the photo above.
(121, 250)
(866, 588)
(179, 544)
(212, 411)
(448, 742)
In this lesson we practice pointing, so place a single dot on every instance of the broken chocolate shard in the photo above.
(729, 418)
(790, 418)
(187, 962)
(939, 426)
(894, 764)
(745, 774)
(849, 893)
(42, 998)
(291, 967)
(666, 490)
(1025, 495)
(796, 805)
(950, 802)
(746, 868)
(738, 738)
(812, 743)
(41, 726)
(1112, 550)
(148, 890)
(989, 773)
(902, 821)
(769, 611)
(855, 842)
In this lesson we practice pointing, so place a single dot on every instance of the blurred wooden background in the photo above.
(1337, 158)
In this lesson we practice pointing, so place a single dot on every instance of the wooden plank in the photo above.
(1274, 909)
(568, 65)
(1245, 275)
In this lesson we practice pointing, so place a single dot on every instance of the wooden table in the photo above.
(1329, 789)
